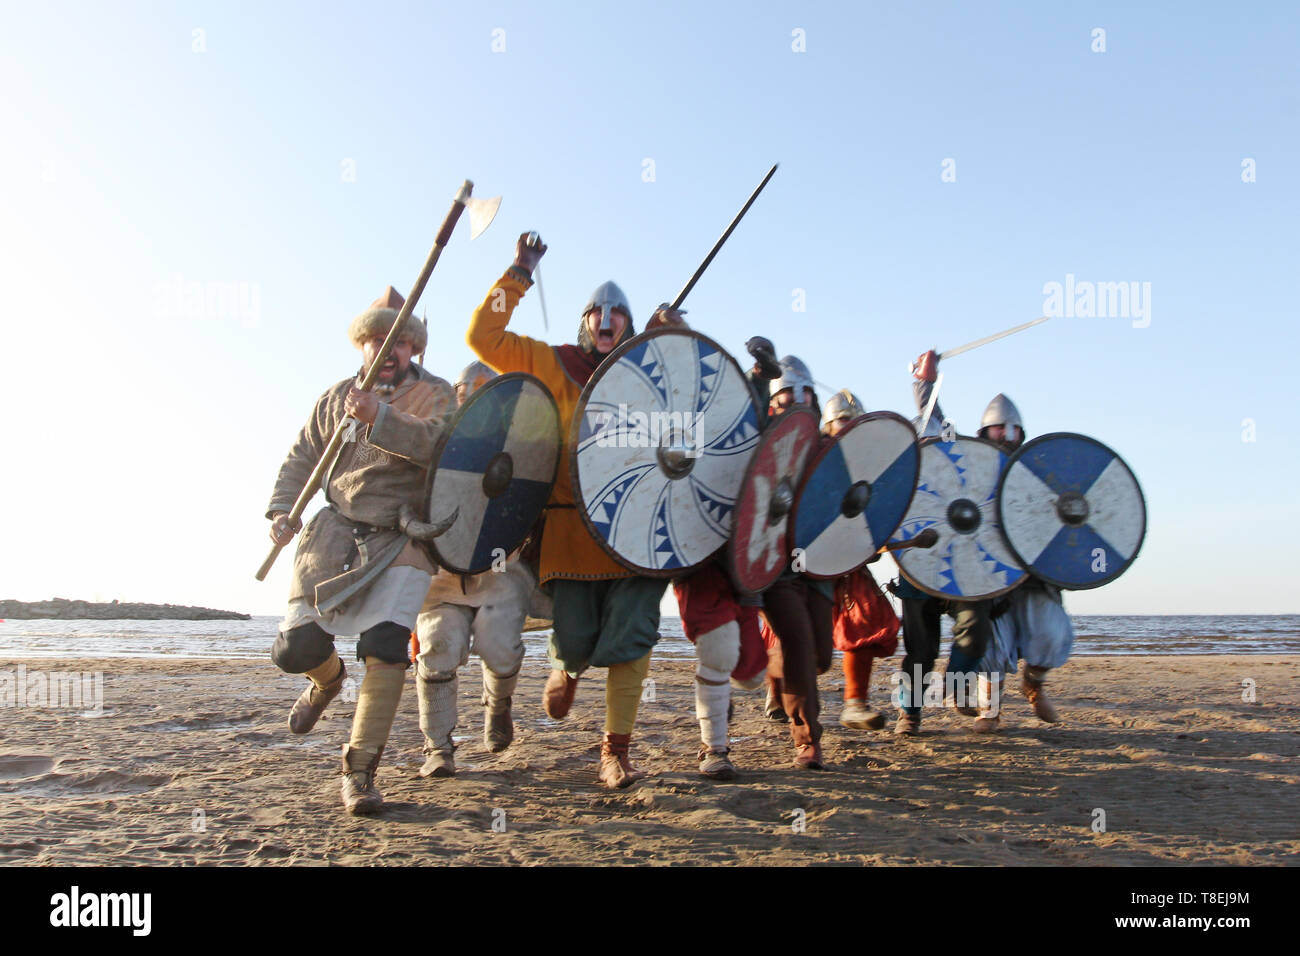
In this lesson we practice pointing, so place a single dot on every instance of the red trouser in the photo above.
(800, 618)
(707, 601)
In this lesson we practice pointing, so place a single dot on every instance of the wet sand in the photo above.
(191, 763)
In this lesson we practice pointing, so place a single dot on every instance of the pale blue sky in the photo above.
(145, 435)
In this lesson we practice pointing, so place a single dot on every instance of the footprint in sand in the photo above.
(203, 722)
(16, 767)
(86, 783)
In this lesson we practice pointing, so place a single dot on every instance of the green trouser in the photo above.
(972, 629)
(602, 623)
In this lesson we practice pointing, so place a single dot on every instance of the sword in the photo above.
(533, 239)
(686, 289)
(992, 338)
(929, 406)
(986, 340)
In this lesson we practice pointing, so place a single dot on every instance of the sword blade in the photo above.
(929, 406)
(992, 338)
(541, 295)
(686, 289)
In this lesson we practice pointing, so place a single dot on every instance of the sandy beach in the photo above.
(190, 762)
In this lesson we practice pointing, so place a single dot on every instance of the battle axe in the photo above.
(481, 214)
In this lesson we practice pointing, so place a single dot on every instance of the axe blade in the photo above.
(481, 214)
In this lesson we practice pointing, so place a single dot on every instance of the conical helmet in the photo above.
(607, 296)
(1002, 411)
(795, 375)
(475, 374)
(843, 404)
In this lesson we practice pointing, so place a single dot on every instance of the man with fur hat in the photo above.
(604, 614)
(355, 570)
(483, 613)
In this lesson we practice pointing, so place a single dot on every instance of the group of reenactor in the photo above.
(358, 572)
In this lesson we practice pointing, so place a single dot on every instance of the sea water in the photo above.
(251, 639)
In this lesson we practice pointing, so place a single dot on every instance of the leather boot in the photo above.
(557, 695)
(616, 771)
(1032, 687)
(716, 763)
(498, 727)
(359, 793)
(772, 707)
(809, 757)
(311, 704)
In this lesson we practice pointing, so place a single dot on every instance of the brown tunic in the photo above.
(379, 468)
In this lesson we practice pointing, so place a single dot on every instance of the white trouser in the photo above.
(487, 620)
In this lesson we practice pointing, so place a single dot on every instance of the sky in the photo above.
(196, 198)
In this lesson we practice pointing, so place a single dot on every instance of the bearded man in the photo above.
(355, 571)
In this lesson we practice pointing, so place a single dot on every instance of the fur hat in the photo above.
(379, 318)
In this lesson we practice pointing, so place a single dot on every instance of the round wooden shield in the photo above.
(494, 467)
(1071, 510)
(956, 496)
(855, 493)
(661, 437)
(757, 552)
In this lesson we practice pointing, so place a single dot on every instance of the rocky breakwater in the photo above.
(61, 609)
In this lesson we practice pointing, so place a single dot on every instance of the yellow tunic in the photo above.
(568, 549)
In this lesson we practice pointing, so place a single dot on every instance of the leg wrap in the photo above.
(718, 651)
(386, 642)
(302, 648)
(498, 690)
(377, 700)
(437, 710)
(623, 694)
(327, 673)
(990, 695)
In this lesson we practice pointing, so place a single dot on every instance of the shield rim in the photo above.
(450, 430)
(816, 460)
(730, 558)
(942, 595)
(575, 427)
(1015, 457)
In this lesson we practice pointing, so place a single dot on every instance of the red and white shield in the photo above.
(757, 550)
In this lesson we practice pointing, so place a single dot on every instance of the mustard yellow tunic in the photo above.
(568, 550)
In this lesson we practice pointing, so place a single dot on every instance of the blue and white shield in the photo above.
(1072, 510)
(956, 497)
(494, 469)
(854, 494)
(662, 434)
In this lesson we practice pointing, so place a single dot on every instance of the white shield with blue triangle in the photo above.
(956, 496)
(662, 435)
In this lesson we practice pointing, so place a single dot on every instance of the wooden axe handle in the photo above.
(336, 442)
